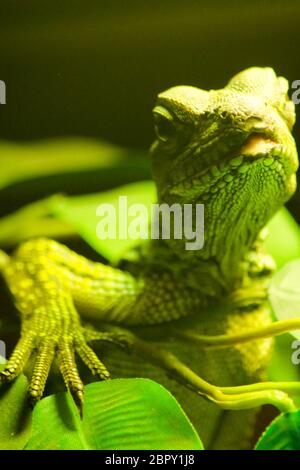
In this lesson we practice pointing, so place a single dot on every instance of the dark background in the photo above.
(93, 68)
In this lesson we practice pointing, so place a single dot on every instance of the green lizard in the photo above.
(232, 150)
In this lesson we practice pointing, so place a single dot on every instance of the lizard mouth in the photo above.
(264, 147)
(256, 145)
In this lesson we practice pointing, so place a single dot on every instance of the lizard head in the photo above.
(230, 149)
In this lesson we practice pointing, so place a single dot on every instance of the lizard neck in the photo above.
(232, 224)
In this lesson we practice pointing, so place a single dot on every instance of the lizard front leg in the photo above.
(43, 276)
(53, 286)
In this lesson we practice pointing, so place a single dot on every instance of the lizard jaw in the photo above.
(256, 149)
(262, 146)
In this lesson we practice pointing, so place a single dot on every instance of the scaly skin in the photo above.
(232, 150)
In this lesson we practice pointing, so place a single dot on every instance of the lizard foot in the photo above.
(64, 346)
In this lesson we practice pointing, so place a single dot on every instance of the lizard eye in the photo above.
(164, 124)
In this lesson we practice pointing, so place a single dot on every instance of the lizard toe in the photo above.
(69, 371)
(43, 362)
(19, 357)
(91, 360)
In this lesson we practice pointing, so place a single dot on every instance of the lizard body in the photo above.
(230, 149)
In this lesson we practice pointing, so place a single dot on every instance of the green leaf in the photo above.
(32, 171)
(284, 293)
(282, 434)
(81, 213)
(283, 242)
(21, 162)
(280, 367)
(118, 414)
(15, 415)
